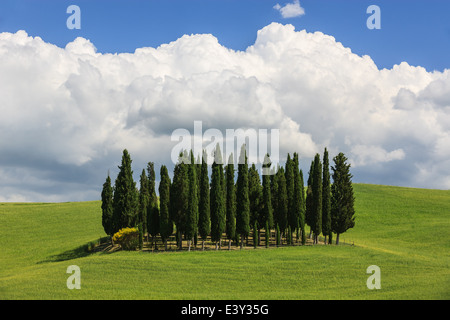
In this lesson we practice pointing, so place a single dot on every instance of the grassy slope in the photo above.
(404, 231)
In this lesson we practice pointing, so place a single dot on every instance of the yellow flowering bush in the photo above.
(128, 238)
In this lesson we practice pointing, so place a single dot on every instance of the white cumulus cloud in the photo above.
(290, 10)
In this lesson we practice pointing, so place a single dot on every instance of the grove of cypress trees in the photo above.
(242, 199)
(125, 197)
(230, 227)
(165, 223)
(107, 207)
(342, 198)
(326, 198)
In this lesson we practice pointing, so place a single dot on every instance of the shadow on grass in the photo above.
(82, 251)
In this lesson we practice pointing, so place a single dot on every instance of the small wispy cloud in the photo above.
(290, 10)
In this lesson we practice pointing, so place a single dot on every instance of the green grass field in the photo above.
(402, 230)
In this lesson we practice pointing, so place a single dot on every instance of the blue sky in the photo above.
(414, 31)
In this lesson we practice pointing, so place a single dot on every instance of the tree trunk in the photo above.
(180, 241)
(217, 245)
(229, 244)
(154, 241)
(242, 241)
(325, 241)
(203, 245)
(337, 238)
(165, 244)
(189, 245)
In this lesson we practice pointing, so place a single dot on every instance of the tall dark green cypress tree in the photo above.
(302, 208)
(317, 198)
(192, 213)
(204, 223)
(152, 208)
(267, 210)
(297, 194)
(217, 198)
(282, 213)
(309, 215)
(292, 216)
(254, 195)
(342, 197)
(326, 198)
(165, 223)
(242, 199)
(179, 195)
(230, 227)
(144, 198)
(107, 207)
(274, 193)
(125, 197)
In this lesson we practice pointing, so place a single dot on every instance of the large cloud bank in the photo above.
(67, 113)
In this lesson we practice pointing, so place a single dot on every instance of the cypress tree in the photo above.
(144, 198)
(302, 208)
(309, 216)
(267, 210)
(297, 195)
(124, 198)
(217, 198)
(192, 213)
(242, 199)
(204, 223)
(179, 195)
(230, 227)
(165, 223)
(342, 198)
(292, 218)
(152, 207)
(282, 201)
(107, 207)
(274, 195)
(254, 195)
(317, 198)
(326, 198)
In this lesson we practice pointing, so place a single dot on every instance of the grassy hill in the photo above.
(404, 231)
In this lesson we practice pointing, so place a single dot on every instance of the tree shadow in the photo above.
(81, 251)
